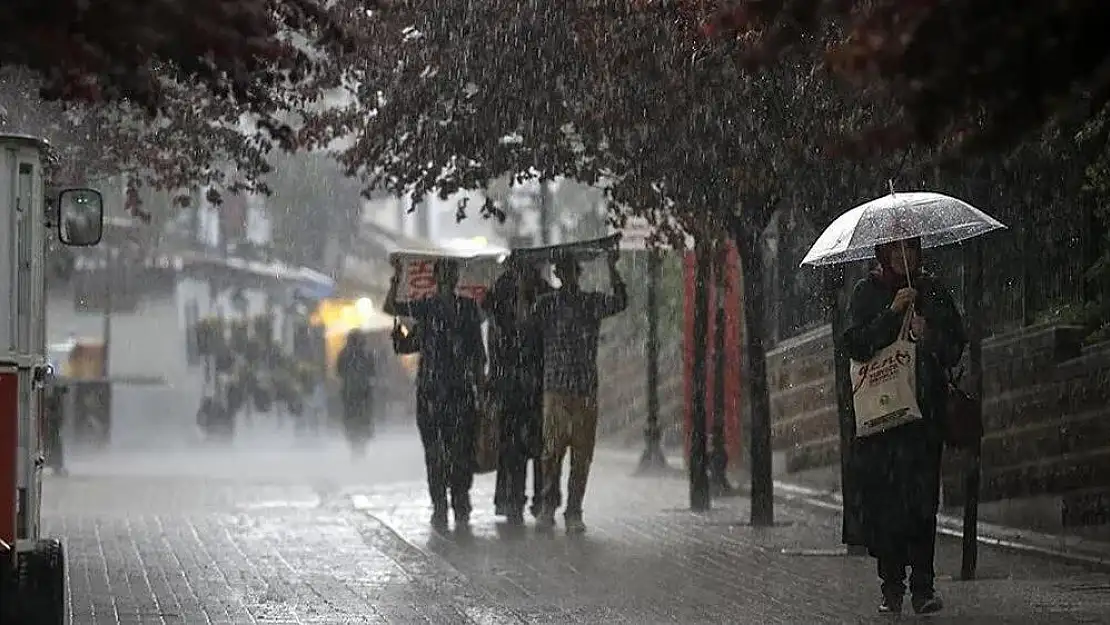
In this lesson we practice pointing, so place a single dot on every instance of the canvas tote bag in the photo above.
(884, 389)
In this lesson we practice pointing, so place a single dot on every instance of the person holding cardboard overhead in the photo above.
(452, 363)
(570, 320)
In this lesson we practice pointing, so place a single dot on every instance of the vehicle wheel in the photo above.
(42, 584)
(8, 589)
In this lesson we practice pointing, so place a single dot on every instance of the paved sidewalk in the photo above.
(647, 560)
(309, 537)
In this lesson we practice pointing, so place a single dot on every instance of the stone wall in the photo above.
(1046, 411)
(803, 401)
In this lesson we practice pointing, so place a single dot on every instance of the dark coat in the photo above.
(898, 471)
(516, 366)
(355, 366)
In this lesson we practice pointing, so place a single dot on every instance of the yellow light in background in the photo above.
(365, 310)
(338, 316)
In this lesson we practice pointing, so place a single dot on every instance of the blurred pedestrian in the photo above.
(516, 376)
(452, 363)
(899, 469)
(54, 402)
(355, 366)
(570, 320)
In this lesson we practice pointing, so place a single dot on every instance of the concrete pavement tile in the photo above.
(198, 550)
(644, 557)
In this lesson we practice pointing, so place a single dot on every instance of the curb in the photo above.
(1089, 553)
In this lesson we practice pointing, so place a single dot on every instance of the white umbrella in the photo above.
(937, 219)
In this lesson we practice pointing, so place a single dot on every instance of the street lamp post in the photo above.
(653, 459)
(972, 471)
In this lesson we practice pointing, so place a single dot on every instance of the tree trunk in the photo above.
(748, 240)
(699, 476)
(718, 463)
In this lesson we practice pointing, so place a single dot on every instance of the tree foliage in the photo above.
(604, 93)
(173, 93)
(963, 71)
(475, 90)
(234, 50)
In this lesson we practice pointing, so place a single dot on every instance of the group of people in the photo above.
(542, 377)
(543, 371)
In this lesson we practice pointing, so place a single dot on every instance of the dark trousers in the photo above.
(358, 418)
(512, 483)
(446, 425)
(918, 556)
(521, 444)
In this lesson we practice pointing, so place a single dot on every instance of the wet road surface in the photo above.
(280, 532)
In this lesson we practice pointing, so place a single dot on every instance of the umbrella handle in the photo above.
(906, 264)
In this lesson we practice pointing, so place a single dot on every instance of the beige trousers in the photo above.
(569, 422)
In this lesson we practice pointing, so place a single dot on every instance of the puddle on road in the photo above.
(835, 552)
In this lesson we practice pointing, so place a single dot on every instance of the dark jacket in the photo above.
(355, 366)
(516, 349)
(516, 366)
(451, 346)
(898, 471)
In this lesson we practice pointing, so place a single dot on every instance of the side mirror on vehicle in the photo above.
(80, 217)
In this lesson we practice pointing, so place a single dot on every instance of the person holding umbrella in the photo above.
(899, 468)
(905, 334)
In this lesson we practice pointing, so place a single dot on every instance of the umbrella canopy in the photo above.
(937, 219)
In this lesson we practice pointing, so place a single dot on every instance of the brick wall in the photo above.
(1046, 412)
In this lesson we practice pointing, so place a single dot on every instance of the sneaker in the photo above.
(545, 521)
(515, 517)
(927, 604)
(891, 605)
(575, 525)
(501, 510)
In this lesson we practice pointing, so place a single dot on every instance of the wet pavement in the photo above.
(286, 533)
